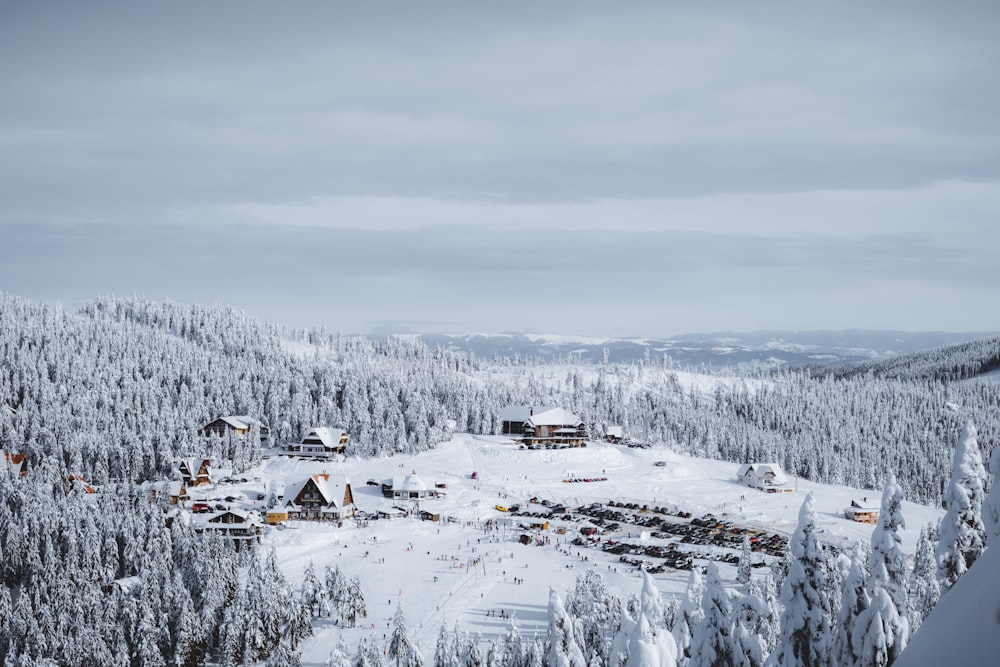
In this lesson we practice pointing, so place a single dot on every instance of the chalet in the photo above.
(614, 434)
(862, 511)
(78, 484)
(322, 441)
(239, 425)
(177, 492)
(555, 427)
(767, 477)
(514, 417)
(320, 497)
(410, 487)
(231, 523)
(195, 471)
(16, 463)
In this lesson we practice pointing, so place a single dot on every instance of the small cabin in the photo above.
(231, 523)
(16, 463)
(276, 515)
(862, 511)
(240, 426)
(195, 471)
(614, 434)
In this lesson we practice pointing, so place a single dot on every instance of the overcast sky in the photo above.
(618, 169)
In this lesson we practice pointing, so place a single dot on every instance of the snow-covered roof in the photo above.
(241, 421)
(330, 487)
(330, 436)
(615, 431)
(13, 461)
(863, 505)
(412, 483)
(521, 413)
(554, 417)
(760, 469)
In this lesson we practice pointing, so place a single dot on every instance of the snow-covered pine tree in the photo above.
(689, 617)
(651, 600)
(712, 644)
(398, 650)
(313, 594)
(924, 584)
(444, 655)
(886, 550)
(746, 560)
(340, 656)
(513, 645)
(875, 629)
(853, 602)
(962, 535)
(768, 627)
(563, 649)
(751, 614)
(596, 613)
(805, 637)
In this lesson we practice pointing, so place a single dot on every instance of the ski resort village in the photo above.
(370, 503)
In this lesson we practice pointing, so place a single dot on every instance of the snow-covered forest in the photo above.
(117, 391)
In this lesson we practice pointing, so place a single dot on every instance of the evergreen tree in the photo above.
(399, 641)
(340, 655)
(713, 644)
(804, 639)
(689, 617)
(962, 534)
(874, 634)
(924, 581)
(746, 560)
(563, 650)
(854, 600)
(887, 564)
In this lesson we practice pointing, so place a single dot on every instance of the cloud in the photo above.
(662, 165)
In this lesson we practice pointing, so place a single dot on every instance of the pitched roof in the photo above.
(331, 490)
(555, 417)
(15, 462)
(241, 421)
(521, 413)
(763, 468)
(330, 436)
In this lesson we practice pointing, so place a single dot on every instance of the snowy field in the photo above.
(457, 571)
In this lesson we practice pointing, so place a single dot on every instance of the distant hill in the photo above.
(763, 349)
(964, 361)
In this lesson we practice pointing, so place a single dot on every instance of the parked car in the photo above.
(201, 507)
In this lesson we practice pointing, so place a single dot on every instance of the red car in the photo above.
(201, 507)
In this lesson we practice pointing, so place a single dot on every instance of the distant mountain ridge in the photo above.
(761, 349)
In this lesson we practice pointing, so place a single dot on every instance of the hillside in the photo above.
(951, 363)
(116, 392)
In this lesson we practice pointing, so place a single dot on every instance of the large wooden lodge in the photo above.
(543, 427)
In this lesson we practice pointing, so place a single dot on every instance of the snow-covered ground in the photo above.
(457, 572)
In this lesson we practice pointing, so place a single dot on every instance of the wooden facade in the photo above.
(319, 498)
(237, 425)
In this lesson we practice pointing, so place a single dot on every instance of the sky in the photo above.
(599, 169)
